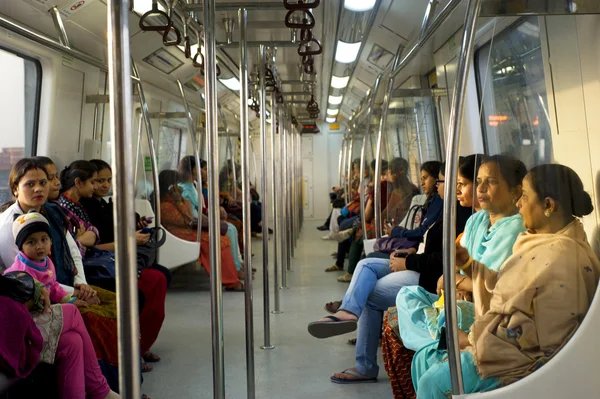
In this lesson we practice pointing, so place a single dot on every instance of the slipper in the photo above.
(237, 288)
(360, 379)
(151, 357)
(146, 368)
(334, 268)
(326, 329)
(346, 278)
(333, 307)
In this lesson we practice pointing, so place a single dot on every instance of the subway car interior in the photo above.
(299, 199)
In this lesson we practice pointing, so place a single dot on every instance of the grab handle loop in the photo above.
(309, 69)
(305, 35)
(305, 48)
(300, 5)
(154, 12)
(308, 21)
(174, 42)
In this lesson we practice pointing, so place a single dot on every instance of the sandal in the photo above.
(151, 357)
(333, 307)
(236, 288)
(334, 268)
(326, 329)
(146, 368)
(358, 378)
(346, 278)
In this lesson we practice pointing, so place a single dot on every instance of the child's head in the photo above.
(32, 235)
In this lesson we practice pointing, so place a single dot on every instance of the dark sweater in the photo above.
(430, 264)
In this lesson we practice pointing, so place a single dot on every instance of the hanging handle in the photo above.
(154, 12)
(305, 48)
(174, 42)
(309, 69)
(305, 35)
(308, 20)
(301, 5)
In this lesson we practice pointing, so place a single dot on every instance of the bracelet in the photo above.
(73, 299)
(463, 267)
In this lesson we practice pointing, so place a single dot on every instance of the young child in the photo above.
(32, 237)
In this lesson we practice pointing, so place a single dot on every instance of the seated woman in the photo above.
(177, 217)
(489, 237)
(31, 186)
(61, 338)
(395, 355)
(152, 281)
(525, 314)
(373, 289)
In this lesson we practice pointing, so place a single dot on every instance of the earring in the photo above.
(547, 213)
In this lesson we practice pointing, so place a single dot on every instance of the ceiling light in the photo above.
(359, 5)
(335, 100)
(346, 53)
(330, 120)
(333, 112)
(143, 6)
(339, 83)
(232, 83)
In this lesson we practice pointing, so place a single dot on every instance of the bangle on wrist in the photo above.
(463, 267)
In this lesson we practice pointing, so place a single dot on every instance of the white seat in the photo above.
(175, 252)
(569, 374)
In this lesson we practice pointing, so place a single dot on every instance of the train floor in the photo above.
(298, 367)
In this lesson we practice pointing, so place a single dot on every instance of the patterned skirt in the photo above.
(396, 358)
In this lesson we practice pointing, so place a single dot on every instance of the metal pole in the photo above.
(429, 12)
(283, 123)
(381, 133)
(60, 27)
(265, 223)
(289, 197)
(362, 154)
(137, 151)
(292, 193)
(192, 130)
(449, 226)
(119, 74)
(275, 187)
(285, 195)
(151, 143)
(246, 197)
(212, 130)
(418, 127)
(349, 180)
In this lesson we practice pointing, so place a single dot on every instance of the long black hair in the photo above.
(83, 170)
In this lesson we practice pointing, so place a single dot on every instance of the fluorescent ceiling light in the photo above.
(232, 84)
(143, 6)
(333, 112)
(335, 100)
(339, 83)
(346, 52)
(330, 120)
(359, 5)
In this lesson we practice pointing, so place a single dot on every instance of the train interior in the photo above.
(377, 80)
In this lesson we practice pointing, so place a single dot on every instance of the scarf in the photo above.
(61, 254)
(74, 207)
(491, 246)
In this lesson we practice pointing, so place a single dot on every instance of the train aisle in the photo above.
(298, 367)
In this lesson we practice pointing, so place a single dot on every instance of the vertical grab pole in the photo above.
(151, 143)
(119, 75)
(281, 198)
(284, 208)
(349, 179)
(212, 130)
(192, 130)
(275, 188)
(289, 196)
(137, 151)
(382, 127)
(449, 226)
(291, 200)
(265, 224)
(245, 157)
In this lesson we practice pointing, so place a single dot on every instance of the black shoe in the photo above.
(323, 228)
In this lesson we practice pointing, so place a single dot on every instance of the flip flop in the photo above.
(334, 268)
(326, 329)
(360, 379)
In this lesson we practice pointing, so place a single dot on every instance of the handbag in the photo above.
(222, 225)
(99, 264)
(18, 286)
(390, 244)
(148, 252)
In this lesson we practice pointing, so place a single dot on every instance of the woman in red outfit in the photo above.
(176, 215)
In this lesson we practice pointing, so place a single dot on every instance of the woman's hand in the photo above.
(81, 304)
(84, 292)
(223, 212)
(80, 230)
(141, 238)
(398, 264)
(142, 223)
(462, 255)
(45, 299)
(93, 301)
(387, 229)
(463, 339)
(440, 285)
(87, 239)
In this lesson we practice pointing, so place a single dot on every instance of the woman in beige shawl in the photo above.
(527, 311)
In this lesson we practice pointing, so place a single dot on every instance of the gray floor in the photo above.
(298, 367)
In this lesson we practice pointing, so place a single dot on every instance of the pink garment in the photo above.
(79, 375)
(44, 272)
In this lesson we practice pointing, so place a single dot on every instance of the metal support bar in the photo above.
(268, 43)
(97, 99)
(60, 27)
(429, 13)
(268, 5)
(382, 131)
(138, 150)
(245, 156)
(172, 115)
(151, 145)
(285, 194)
(292, 193)
(275, 189)
(119, 75)
(262, 94)
(408, 93)
(196, 150)
(451, 175)
(283, 127)
(295, 93)
(350, 153)
(212, 124)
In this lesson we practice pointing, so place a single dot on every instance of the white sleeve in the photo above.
(76, 255)
(69, 290)
(8, 249)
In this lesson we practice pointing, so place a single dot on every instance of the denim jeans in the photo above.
(373, 289)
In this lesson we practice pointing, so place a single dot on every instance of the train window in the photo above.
(19, 110)
(513, 91)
